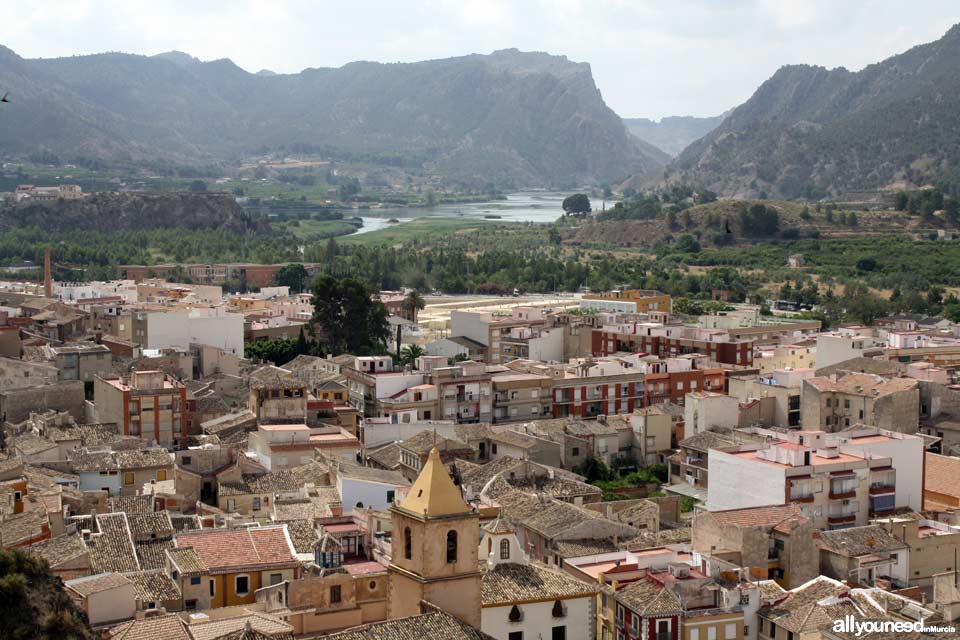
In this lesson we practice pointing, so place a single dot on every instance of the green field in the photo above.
(425, 229)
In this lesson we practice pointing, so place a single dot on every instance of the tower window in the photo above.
(504, 549)
(407, 544)
(452, 547)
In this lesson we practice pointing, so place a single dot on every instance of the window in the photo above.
(276, 578)
(242, 584)
(190, 605)
(451, 547)
(256, 504)
(694, 634)
(128, 477)
(504, 549)
(185, 461)
(515, 614)
(663, 629)
(576, 451)
(846, 404)
(558, 609)
(745, 598)
(730, 631)
(789, 635)
(231, 504)
(390, 496)
(407, 544)
(213, 587)
(195, 580)
(559, 633)
(493, 447)
(515, 635)
(335, 594)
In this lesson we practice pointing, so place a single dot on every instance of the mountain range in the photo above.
(813, 132)
(529, 118)
(674, 133)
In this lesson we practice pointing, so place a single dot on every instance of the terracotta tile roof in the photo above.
(498, 526)
(222, 628)
(85, 461)
(302, 534)
(111, 549)
(864, 384)
(706, 440)
(186, 560)
(942, 474)
(799, 609)
(435, 624)
(130, 504)
(255, 484)
(355, 471)
(387, 456)
(770, 590)
(168, 627)
(96, 583)
(225, 549)
(184, 523)
(154, 586)
(59, 550)
(859, 541)
(427, 439)
(150, 553)
(150, 525)
(588, 547)
(23, 527)
(756, 516)
(509, 582)
(647, 598)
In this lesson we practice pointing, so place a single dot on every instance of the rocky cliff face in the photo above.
(531, 117)
(128, 211)
(672, 134)
(813, 132)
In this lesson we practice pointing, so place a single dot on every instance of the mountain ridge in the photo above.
(529, 117)
(813, 132)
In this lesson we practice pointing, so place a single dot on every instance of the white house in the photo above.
(524, 599)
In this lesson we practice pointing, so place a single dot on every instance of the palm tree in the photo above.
(410, 353)
(413, 303)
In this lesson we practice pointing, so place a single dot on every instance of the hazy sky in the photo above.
(649, 58)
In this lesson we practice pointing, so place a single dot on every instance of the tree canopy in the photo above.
(293, 276)
(349, 318)
(577, 204)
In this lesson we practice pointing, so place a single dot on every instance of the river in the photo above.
(540, 207)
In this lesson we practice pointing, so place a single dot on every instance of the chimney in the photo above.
(47, 277)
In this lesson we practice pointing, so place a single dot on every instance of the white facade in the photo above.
(356, 493)
(380, 431)
(471, 324)
(612, 306)
(548, 346)
(728, 487)
(538, 620)
(210, 326)
(703, 411)
(835, 347)
(906, 453)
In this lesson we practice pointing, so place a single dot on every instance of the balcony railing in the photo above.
(880, 489)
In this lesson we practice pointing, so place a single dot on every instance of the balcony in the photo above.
(802, 497)
(836, 494)
(882, 489)
(842, 518)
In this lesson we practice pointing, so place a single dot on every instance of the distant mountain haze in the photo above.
(672, 134)
(813, 132)
(530, 118)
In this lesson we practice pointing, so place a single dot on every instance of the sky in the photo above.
(649, 58)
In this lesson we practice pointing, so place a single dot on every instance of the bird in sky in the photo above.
(5, 96)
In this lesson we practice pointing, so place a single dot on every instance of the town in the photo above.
(589, 466)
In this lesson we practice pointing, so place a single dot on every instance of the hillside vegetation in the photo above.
(810, 132)
(522, 118)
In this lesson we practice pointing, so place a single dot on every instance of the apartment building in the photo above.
(839, 480)
(788, 356)
(148, 404)
(670, 341)
(81, 361)
(778, 392)
(777, 540)
(933, 546)
(642, 300)
(838, 346)
(213, 326)
(522, 334)
(284, 446)
(835, 402)
(521, 396)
